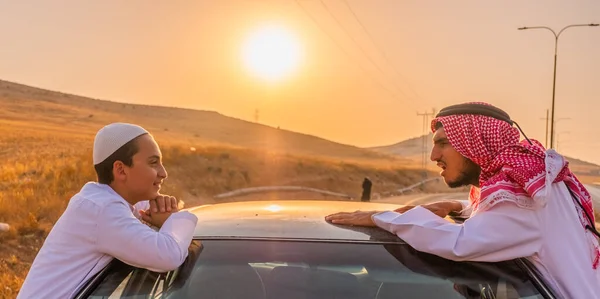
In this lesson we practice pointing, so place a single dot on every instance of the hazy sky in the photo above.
(437, 53)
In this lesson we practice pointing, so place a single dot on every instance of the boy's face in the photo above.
(146, 174)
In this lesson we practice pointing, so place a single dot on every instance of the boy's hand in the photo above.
(164, 203)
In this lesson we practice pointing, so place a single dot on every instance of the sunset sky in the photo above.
(428, 54)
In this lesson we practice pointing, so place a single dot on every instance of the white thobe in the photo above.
(552, 238)
(97, 226)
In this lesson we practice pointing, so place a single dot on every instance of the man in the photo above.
(366, 186)
(102, 222)
(524, 202)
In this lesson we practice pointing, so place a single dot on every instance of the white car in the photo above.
(286, 250)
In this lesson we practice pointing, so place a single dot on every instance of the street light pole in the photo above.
(556, 36)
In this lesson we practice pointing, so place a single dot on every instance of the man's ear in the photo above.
(119, 171)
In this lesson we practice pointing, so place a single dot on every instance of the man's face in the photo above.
(145, 176)
(457, 170)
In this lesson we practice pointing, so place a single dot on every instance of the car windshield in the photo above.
(256, 269)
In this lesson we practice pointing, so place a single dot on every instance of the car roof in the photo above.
(289, 219)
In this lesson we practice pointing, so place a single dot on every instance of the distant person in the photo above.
(524, 202)
(102, 221)
(366, 193)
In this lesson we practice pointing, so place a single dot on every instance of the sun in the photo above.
(271, 53)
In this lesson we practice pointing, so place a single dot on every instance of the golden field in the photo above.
(46, 144)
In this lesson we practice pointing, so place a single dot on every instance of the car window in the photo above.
(277, 269)
(125, 281)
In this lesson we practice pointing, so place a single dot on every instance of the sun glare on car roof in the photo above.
(273, 208)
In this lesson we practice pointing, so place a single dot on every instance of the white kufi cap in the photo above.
(112, 137)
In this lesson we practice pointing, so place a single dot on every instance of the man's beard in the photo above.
(468, 176)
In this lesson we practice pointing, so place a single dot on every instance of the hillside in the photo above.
(46, 142)
(38, 109)
(413, 149)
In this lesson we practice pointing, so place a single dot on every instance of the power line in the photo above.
(547, 119)
(321, 28)
(357, 44)
(376, 45)
(365, 72)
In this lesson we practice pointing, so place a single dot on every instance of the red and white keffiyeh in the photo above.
(510, 170)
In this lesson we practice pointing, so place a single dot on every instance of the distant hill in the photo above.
(39, 109)
(413, 149)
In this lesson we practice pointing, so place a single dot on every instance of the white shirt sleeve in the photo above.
(466, 209)
(503, 232)
(124, 237)
(140, 206)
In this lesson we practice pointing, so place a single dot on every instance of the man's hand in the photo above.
(358, 218)
(155, 219)
(164, 203)
(440, 208)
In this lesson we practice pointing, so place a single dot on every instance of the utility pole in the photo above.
(425, 143)
(256, 116)
(556, 36)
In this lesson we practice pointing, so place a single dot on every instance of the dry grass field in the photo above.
(46, 143)
(41, 171)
